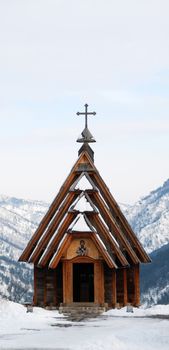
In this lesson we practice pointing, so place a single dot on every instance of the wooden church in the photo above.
(84, 250)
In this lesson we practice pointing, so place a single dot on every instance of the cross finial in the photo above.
(86, 113)
(86, 135)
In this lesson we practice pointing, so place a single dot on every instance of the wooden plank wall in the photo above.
(48, 286)
(120, 286)
(108, 280)
(130, 285)
(110, 286)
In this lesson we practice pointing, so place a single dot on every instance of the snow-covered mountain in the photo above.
(149, 218)
(155, 278)
(18, 220)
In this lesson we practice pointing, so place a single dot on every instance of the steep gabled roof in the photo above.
(113, 230)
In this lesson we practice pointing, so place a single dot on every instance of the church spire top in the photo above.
(87, 137)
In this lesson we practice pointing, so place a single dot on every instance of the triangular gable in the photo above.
(63, 203)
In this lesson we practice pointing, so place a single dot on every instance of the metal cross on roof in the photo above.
(86, 113)
(86, 135)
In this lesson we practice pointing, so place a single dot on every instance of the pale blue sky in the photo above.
(58, 55)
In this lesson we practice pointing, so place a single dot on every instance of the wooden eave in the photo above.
(81, 259)
(100, 227)
(48, 253)
(143, 256)
(108, 218)
(65, 244)
(80, 233)
(110, 262)
(40, 246)
(63, 247)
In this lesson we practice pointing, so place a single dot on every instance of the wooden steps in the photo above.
(81, 311)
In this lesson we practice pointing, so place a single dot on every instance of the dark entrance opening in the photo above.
(83, 282)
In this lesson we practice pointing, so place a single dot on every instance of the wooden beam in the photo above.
(98, 283)
(48, 217)
(67, 282)
(53, 227)
(99, 225)
(55, 205)
(81, 259)
(53, 245)
(105, 212)
(63, 247)
(112, 204)
(110, 262)
(64, 281)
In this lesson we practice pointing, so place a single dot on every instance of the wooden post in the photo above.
(136, 285)
(125, 286)
(98, 283)
(67, 282)
(45, 287)
(35, 286)
(102, 283)
(55, 296)
(114, 291)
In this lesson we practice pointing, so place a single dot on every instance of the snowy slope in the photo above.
(116, 329)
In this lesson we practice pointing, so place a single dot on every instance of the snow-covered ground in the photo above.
(115, 330)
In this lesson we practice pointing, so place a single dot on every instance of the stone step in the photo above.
(82, 310)
(80, 304)
(74, 311)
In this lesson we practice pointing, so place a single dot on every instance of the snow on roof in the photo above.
(80, 224)
(83, 184)
(83, 205)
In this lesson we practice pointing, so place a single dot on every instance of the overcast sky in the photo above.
(57, 55)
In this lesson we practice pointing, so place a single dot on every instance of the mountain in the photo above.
(19, 218)
(149, 218)
(155, 278)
